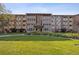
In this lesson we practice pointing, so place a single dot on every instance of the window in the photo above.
(70, 21)
(46, 29)
(52, 20)
(64, 17)
(49, 24)
(28, 24)
(24, 20)
(46, 24)
(28, 19)
(53, 25)
(30, 29)
(12, 20)
(70, 17)
(33, 19)
(23, 16)
(70, 25)
(23, 24)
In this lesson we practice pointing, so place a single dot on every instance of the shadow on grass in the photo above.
(34, 38)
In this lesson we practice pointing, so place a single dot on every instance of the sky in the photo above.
(53, 8)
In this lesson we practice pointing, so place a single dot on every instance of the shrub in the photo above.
(39, 33)
(28, 33)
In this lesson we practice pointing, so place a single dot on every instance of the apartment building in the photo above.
(76, 23)
(42, 22)
(39, 22)
(18, 23)
(62, 23)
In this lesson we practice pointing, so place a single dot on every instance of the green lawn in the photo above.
(38, 45)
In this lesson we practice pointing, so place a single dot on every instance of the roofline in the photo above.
(44, 14)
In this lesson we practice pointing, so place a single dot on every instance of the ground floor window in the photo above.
(29, 29)
(46, 29)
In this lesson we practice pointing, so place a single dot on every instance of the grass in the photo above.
(38, 45)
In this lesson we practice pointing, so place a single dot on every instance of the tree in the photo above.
(5, 16)
(63, 30)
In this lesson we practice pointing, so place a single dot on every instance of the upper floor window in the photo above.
(70, 25)
(46, 24)
(70, 21)
(23, 16)
(52, 20)
(23, 24)
(33, 19)
(12, 20)
(70, 17)
(28, 24)
(30, 19)
(64, 17)
(24, 20)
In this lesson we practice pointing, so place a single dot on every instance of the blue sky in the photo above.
(53, 8)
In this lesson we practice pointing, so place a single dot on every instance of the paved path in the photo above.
(12, 35)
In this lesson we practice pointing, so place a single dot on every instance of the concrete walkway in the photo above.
(12, 35)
